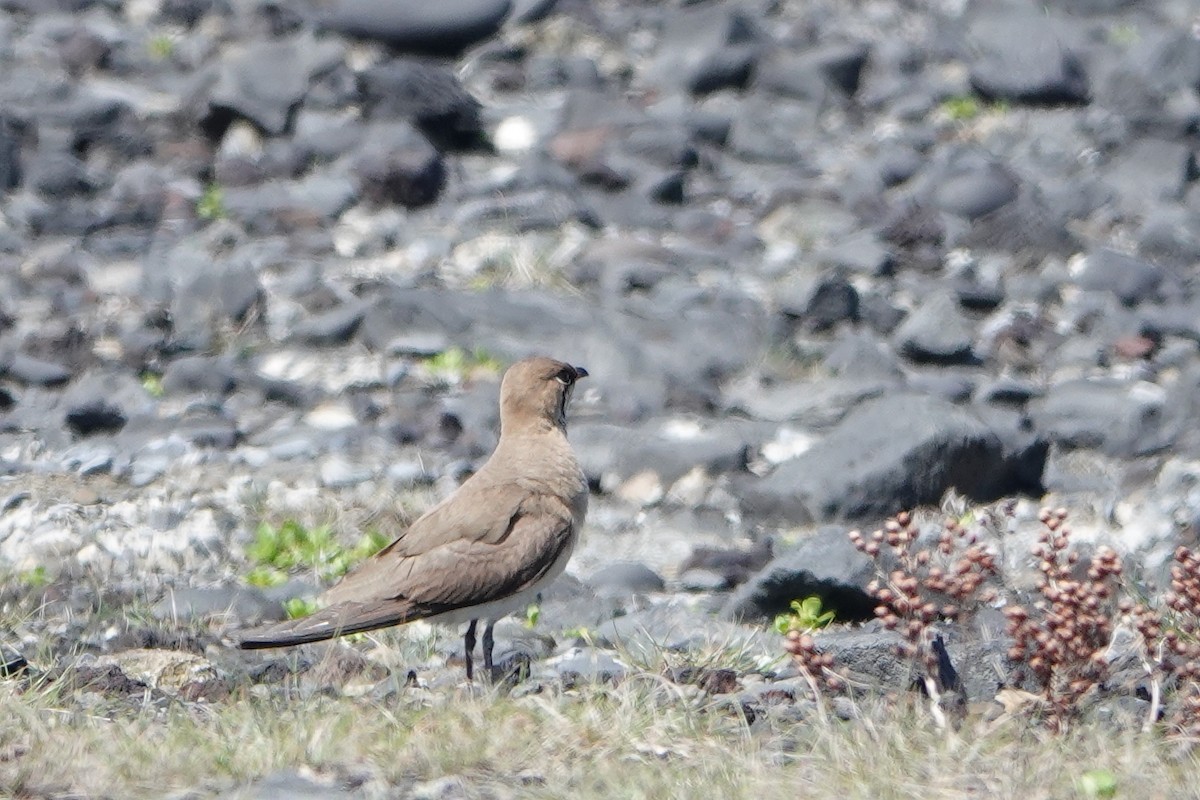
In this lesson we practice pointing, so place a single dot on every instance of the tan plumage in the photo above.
(487, 548)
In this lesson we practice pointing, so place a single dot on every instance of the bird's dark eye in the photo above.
(565, 376)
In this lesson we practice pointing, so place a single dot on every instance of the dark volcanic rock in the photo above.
(972, 190)
(400, 166)
(266, 81)
(821, 303)
(1027, 58)
(443, 28)
(35, 371)
(1118, 418)
(825, 564)
(890, 453)
(937, 333)
(708, 48)
(811, 75)
(625, 578)
(1131, 279)
(431, 97)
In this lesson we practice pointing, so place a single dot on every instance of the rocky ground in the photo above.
(264, 261)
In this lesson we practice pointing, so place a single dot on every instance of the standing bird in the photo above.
(485, 550)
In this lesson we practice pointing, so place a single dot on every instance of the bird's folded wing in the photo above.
(403, 583)
(487, 557)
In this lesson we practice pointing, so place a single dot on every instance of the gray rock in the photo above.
(1115, 417)
(816, 404)
(1027, 58)
(35, 371)
(12, 663)
(861, 252)
(824, 565)
(937, 332)
(972, 190)
(625, 578)
(891, 453)
(400, 166)
(812, 74)
(291, 785)
(611, 453)
(868, 653)
(271, 206)
(1131, 279)
(430, 97)
(707, 48)
(821, 303)
(445, 28)
(265, 81)
(584, 665)
(246, 605)
(199, 375)
(334, 326)
(204, 295)
(673, 626)
(339, 473)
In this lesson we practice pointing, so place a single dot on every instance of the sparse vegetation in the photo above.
(152, 383)
(211, 204)
(35, 578)
(1061, 644)
(806, 615)
(279, 549)
(454, 364)
(161, 47)
(966, 107)
(641, 739)
(297, 607)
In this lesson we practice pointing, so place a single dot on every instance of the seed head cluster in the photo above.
(1173, 640)
(812, 661)
(1060, 641)
(1064, 642)
(927, 583)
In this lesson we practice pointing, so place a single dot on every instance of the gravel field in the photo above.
(262, 265)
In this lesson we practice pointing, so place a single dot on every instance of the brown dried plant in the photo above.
(1060, 643)
(927, 584)
(1171, 644)
(1064, 642)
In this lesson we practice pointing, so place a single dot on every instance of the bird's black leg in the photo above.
(469, 647)
(488, 643)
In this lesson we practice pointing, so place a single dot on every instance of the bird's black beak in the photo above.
(580, 372)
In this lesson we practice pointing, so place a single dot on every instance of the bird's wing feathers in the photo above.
(457, 555)
(336, 620)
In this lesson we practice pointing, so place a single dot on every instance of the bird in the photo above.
(485, 550)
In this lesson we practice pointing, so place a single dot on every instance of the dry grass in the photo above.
(645, 738)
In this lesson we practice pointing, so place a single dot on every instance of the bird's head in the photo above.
(534, 394)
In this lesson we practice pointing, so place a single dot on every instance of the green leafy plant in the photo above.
(533, 612)
(35, 578)
(152, 383)
(1124, 35)
(297, 607)
(161, 47)
(966, 107)
(581, 632)
(455, 363)
(265, 577)
(278, 549)
(1098, 783)
(806, 615)
(211, 204)
(962, 108)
